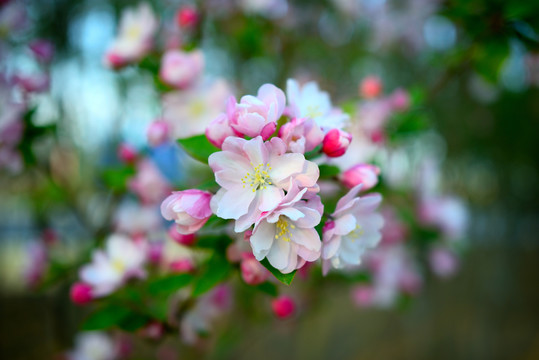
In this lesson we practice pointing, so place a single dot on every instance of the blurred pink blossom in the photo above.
(181, 69)
(364, 174)
(149, 184)
(301, 135)
(370, 87)
(283, 307)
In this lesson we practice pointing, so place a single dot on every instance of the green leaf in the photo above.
(169, 284)
(116, 178)
(215, 242)
(268, 288)
(284, 278)
(328, 171)
(133, 322)
(106, 317)
(314, 153)
(216, 270)
(198, 147)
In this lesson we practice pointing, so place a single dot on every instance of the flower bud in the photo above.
(157, 132)
(42, 50)
(181, 69)
(400, 100)
(336, 142)
(370, 87)
(363, 295)
(252, 272)
(187, 17)
(127, 153)
(283, 306)
(81, 293)
(218, 130)
(190, 209)
(443, 262)
(365, 174)
(182, 266)
(185, 240)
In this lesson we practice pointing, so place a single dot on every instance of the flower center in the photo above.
(356, 233)
(313, 111)
(118, 265)
(259, 179)
(133, 32)
(283, 229)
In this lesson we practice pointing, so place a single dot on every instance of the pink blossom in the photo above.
(155, 252)
(181, 69)
(400, 100)
(308, 101)
(364, 174)
(182, 239)
(443, 262)
(354, 230)
(43, 50)
(254, 116)
(36, 265)
(286, 235)
(252, 272)
(370, 87)
(122, 259)
(219, 129)
(148, 183)
(182, 266)
(135, 37)
(283, 306)
(157, 132)
(36, 83)
(127, 153)
(253, 175)
(336, 143)
(394, 230)
(190, 209)
(153, 330)
(301, 135)
(81, 293)
(448, 213)
(187, 17)
(363, 295)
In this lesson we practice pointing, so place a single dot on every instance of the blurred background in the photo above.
(474, 65)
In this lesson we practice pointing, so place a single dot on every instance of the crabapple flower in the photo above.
(355, 228)
(135, 37)
(253, 175)
(370, 87)
(336, 143)
(443, 262)
(252, 272)
(190, 111)
(185, 240)
(127, 153)
(258, 115)
(286, 235)
(400, 100)
(93, 345)
(190, 209)
(365, 174)
(43, 50)
(122, 259)
(81, 293)
(283, 306)
(149, 184)
(35, 83)
(158, 132)
(308, 101)
(187, 17)
(181, 69)
(181, 266)
(301, 135)
(218, 130)
(133, 219)
(448, 213)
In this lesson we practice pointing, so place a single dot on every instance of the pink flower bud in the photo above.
(443, 262)
(114, 61)
(43, 50)
(185, 240)
(370, 87)
(365, 174)
(187, 17)
(32, 83)
(157, 132)
(153, 330)
(233, 253)
(182, 266)
(283, 306)
(336, 142)
(218, 130)
(81, 293)
(127, 153)
(252, 272)
(180, 69)
(155, 252)
(190, 209)
(363, 295)
(400, 100)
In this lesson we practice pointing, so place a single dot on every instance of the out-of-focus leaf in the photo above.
(216, 270)
(106, 317)
(216, 242)
(268, 288)
(284, 278)
(133, 321)
(328, 171)
(489, 58)
(198, 147)
(169, 284)
(116, 178)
